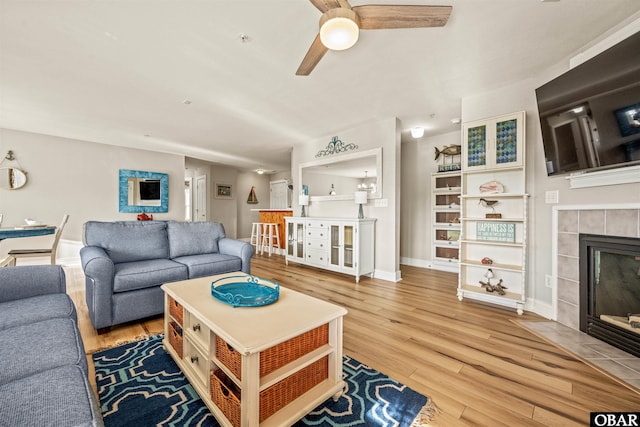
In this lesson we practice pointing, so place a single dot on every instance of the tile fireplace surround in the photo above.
(568, 222)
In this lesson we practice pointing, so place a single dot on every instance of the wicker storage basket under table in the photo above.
(176, 311)
(227, 397)
(175, 337)
(276, 356)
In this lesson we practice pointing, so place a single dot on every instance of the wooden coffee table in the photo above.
(221, 349)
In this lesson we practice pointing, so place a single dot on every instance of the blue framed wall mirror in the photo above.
(142, 191)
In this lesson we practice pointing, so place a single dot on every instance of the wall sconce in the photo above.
(303, 200)
(360, 197)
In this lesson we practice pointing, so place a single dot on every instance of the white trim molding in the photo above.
(625, 175)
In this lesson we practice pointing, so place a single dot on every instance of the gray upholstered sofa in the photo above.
(125, 262)
(44, 375)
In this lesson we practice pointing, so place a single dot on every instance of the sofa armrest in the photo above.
(99, 271)
(30, 281)
(243, 250)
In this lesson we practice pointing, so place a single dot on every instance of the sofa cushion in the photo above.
(36, 309)
(37, 347)
(144, 274)
(193, 238)
(210, 264)
(56, 397)
(128, 241)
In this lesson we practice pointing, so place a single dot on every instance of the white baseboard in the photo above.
(415, 262)
(69, 252)
(424, 263)
(540, 308)
(389, 276)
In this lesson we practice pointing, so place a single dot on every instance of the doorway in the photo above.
(200, 200)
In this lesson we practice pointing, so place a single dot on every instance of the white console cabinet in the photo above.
(338, 244)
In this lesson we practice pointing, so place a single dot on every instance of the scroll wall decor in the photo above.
(336, 146)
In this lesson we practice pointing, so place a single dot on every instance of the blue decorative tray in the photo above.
(245, 291)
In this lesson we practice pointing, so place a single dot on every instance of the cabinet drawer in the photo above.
(197, 361)
(317, 224)
(317, 256)
(317, 233)
(320, 244)
(197, 329)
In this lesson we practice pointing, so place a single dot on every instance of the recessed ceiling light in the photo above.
(244, 38)
(186, 102)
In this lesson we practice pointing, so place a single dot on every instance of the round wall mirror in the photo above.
(12, 178)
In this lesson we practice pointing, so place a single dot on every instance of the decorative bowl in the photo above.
(245, 291)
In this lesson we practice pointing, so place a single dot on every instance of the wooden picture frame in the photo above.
(224, 191)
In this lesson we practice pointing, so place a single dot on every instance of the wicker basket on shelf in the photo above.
(176, 311)
(175, 337)
(276, 356)
(227, 397)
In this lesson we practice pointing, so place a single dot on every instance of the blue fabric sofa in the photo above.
(125, 262)
(44, 375)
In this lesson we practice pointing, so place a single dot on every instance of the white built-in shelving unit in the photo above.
(493, 150)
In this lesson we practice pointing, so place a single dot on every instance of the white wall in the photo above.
(380, 133)
(225, 211)
(246, 216)
(78, 178)
(418, 163)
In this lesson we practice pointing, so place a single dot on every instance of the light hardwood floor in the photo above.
(478, 365)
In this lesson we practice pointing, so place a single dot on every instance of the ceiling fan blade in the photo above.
(313, 56)
(376, 17)
(324, 5)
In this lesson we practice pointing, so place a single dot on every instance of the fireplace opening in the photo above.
(610, 290)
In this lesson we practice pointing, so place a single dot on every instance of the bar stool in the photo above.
(255, 235)
(270, 237)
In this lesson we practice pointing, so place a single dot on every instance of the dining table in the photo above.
(26, 231)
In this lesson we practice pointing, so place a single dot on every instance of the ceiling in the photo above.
(178, 77)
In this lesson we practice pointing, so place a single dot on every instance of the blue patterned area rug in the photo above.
(139, 384)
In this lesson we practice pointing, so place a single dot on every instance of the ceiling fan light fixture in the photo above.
(339, 29)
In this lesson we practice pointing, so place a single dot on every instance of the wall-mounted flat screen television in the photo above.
(590, 115)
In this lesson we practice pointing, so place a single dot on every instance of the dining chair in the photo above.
(7, 261)
(30, 253)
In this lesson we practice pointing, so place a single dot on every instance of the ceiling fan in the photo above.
(340, 24)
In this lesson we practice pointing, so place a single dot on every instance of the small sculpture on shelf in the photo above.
(497, 288)
(449, 152)
(491, 187)
(490, 204)
(486, 260)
